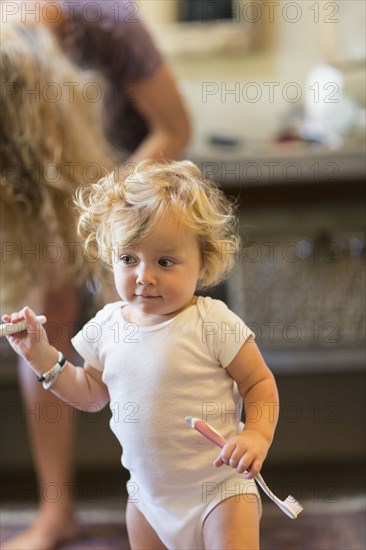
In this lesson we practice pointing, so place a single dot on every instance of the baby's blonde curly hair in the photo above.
(124, 212)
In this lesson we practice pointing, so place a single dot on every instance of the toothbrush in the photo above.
(289, 506)
(11, 328)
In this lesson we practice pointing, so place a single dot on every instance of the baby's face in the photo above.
(159, 275)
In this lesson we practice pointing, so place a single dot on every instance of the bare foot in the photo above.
(43, 536)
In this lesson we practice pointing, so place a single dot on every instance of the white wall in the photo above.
(292, 38)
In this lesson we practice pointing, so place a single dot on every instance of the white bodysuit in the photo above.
(156, 376)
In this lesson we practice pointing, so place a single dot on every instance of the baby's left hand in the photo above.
(245, 451)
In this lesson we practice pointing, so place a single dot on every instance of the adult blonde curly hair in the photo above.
(115, 214)
(51, 142)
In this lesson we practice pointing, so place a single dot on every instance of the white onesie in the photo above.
(156, 376)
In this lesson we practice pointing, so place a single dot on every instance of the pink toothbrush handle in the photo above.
(209, 432)
(290, 506)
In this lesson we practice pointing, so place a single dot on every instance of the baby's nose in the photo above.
(145, 276)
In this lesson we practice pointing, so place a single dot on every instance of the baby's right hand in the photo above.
(29, 343)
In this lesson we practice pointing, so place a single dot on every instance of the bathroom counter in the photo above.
(287, 163)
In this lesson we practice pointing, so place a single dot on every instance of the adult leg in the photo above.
(233, 525)
(52, 441)
(140, 533)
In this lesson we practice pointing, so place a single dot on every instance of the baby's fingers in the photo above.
(218, 461)
(16, 316)
(253, 469)
(225, 454)
(30, 317)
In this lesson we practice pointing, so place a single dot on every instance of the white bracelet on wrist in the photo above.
(49, 378)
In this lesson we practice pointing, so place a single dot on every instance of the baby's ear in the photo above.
(202, 272)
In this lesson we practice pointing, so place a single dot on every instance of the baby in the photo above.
(162, 353)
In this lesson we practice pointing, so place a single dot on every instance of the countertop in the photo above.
(288, 163)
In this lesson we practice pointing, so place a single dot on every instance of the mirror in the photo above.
(200, 27)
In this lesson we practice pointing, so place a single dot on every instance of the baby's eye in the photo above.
(165, 262)
(128, 260)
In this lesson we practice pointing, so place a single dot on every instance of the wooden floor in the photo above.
(333, 516)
